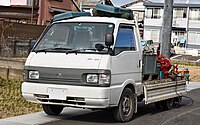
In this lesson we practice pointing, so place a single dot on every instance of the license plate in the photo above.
(57, 93)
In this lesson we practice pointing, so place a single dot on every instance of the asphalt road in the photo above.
(187, 114)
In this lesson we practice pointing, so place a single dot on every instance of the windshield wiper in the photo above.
(91, 49)
(65, 50)
(73, 51)
(41, 50)
(50, 49)
(60, 48)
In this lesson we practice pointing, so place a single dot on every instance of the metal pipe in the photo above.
(75, 4)
(32, 11)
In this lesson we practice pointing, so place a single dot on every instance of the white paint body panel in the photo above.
(95, 97)
(61, 60)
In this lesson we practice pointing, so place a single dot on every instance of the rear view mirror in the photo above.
(99, 47)
(109, 39)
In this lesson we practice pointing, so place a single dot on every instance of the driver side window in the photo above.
(125, 40)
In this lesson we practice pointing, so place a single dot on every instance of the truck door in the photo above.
(126, 62)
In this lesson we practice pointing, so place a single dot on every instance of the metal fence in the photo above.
(16, 38)
(15, 48)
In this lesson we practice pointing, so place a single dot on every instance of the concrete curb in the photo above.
(41, 117)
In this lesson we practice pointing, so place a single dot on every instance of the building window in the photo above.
(178, 38)
(194, 37)
(195, 14)
(153, 13)
(152, 35)
(180, 12)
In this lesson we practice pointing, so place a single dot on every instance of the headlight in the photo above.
(98, 79)
(33, 75)
(92, 78)
(104, 79)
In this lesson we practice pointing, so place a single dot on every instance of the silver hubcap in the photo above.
(126, 105)
(171, 103)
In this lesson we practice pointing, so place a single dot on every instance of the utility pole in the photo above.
(167, 28)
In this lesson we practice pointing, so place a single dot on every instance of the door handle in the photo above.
(139, 65)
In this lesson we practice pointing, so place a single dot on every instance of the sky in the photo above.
(122, 2)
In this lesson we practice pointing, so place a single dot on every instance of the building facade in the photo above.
(49, 8)
(88, 5)
(186, 23)
(37, 12)
(139, 11)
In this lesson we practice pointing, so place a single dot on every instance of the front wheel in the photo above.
(125, 110)
(52, 109)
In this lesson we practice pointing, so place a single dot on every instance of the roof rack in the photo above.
(110, 11)
(100, 10)
(69, 15)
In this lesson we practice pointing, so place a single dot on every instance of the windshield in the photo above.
(74, 36)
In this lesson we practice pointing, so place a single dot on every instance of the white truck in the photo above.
(95, 62)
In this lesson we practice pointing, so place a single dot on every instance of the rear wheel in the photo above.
(178, 101)
(158, 105)
(125, 110)
(52, 109)
(168, 104)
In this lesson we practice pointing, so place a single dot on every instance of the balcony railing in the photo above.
(180, 22)
(153, 22)
(194, 23)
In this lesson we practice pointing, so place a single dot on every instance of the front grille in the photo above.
(69, 100)
(63, 76)
(67, 81)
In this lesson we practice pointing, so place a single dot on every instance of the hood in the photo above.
(62, 60)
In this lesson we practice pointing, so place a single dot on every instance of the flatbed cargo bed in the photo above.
(159, 90)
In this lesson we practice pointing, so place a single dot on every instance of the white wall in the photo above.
(18, 2)
(153, 22)
(12, 2)
(138, 6)
(194, 24)
(5, 2)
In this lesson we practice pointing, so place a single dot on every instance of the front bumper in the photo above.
(75, 96)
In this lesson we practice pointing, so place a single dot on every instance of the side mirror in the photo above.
(109, 39)
(32, 44)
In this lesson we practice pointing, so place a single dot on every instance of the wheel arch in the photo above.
(130, 84)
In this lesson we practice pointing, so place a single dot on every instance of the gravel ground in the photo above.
(194, 72)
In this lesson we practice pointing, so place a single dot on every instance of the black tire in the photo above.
(52, 109)
(168, 104)
(178, 101)
(126, 107)
(158, 105)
